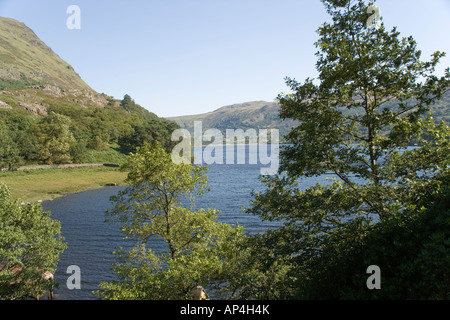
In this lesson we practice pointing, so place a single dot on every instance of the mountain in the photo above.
(441, 109)
(265, 115)
(256, 114)
(48, 114)
(26, 60)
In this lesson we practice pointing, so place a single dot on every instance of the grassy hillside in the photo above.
(28, 185)
(261, 114)
(48, 114)
(256, 115)
(26, 60)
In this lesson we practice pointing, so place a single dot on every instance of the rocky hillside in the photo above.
(49, 115)
(28, 63)
(26, 60)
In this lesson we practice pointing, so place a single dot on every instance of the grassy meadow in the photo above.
(47, 184)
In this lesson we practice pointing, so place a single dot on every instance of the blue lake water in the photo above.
(91, 240)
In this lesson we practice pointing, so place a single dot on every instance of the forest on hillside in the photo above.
(67, 133)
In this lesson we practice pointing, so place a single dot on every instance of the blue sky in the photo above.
(179, 57)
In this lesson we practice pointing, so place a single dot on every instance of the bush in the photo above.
(412, 250)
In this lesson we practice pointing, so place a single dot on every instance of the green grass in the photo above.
(27, 58)
(108, 156)
(47, 184)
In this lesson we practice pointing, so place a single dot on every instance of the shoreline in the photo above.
(60, 166)
(39, 185)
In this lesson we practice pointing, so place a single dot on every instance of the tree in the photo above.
(9, 151)
(20, 129)
(356, 119)
(158, 209)
(347, 125)
(30, 242)
(146, 128)
(99, 135)
(411, 248)
(55, 138)
(127, 103)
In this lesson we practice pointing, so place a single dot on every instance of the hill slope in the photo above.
(49, 115)
(265, 115)
(26, 60)
(256, 115)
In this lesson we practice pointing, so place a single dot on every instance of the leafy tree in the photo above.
(158, 207)
(20, 129)
(127, 103)
(30, 240)
(135, 139)
(350, 128)
(78, 151)
(412, 249)
(55, 139)
(99, 135)
(146, 128)
(82, 134)
(9, 152)
(148, 133)
(346, 128)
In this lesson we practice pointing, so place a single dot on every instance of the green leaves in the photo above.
(56, 139)
(29, 239)
(159, 204)
(348, 122)
(370, 102)
(69, 133)
(9, 151)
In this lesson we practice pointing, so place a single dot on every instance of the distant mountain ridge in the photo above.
(265, 115)
(249, 115)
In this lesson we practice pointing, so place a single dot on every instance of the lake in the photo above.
(91, 240)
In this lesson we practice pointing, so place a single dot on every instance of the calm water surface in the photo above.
(91, 241)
